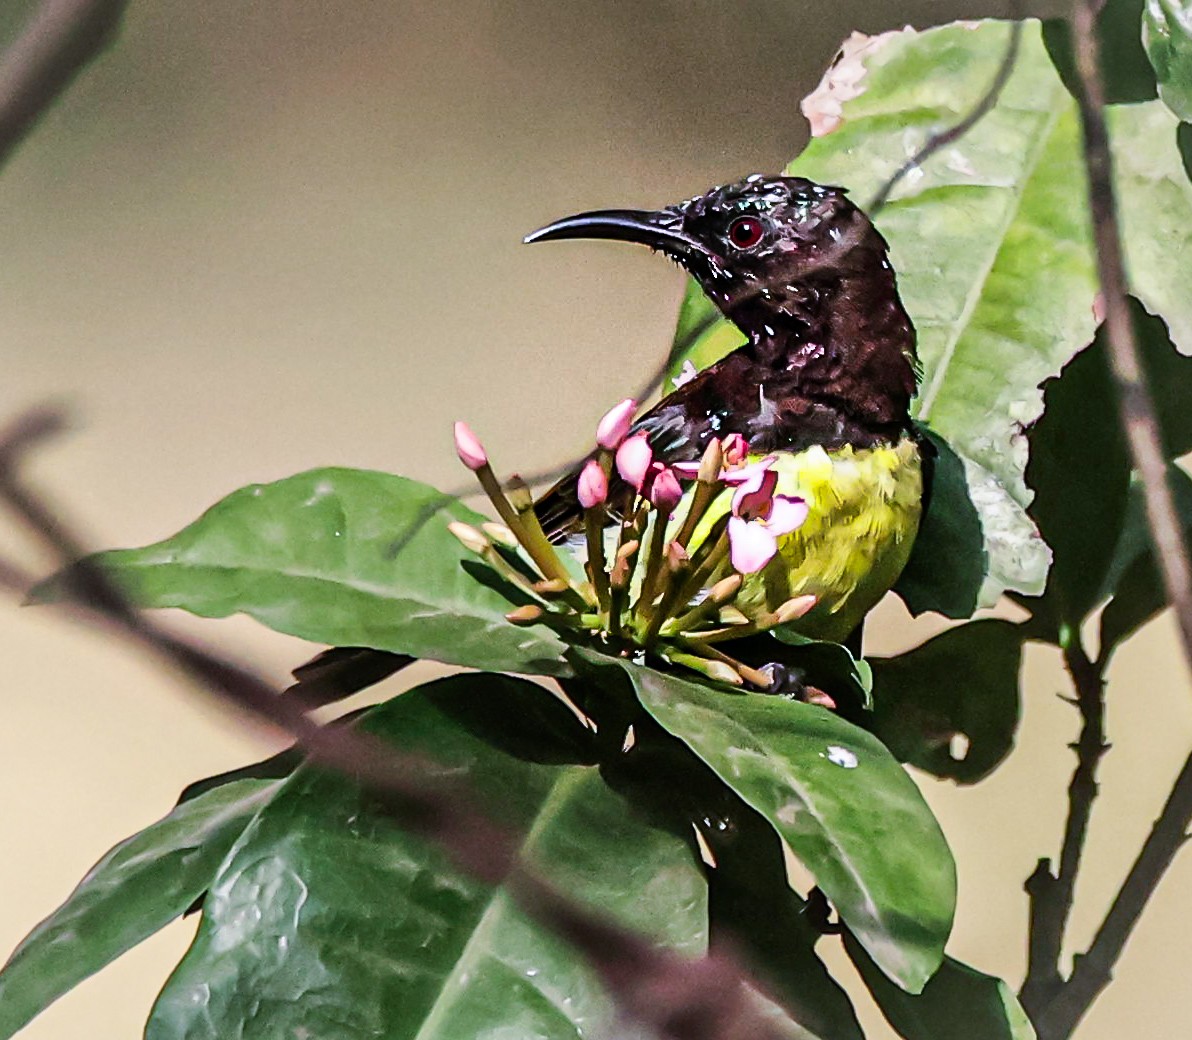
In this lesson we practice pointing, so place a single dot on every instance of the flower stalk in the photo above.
(687, 586)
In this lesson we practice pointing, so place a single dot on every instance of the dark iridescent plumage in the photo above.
(829, 357)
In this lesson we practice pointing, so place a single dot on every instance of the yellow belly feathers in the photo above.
(864, 513)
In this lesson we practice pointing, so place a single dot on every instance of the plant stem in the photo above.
(1051, 895)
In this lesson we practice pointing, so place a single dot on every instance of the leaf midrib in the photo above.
(931, 391)
(472, 953)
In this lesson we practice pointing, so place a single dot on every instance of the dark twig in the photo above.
(60, 39)
(1058, 1006)
(1051, 895)
(1093, 971)
(679, 999)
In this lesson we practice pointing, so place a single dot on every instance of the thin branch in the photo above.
(679, 999)
(1051, 895)
(1136, 405)
(1093, 971)
(60, 39)
(1057, 1018)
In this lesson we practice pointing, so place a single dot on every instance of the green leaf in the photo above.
(344, 557)
(1080, 471)
(839, 799)
(959, 1003)
(1134, 578)
(964, 681)
(135, 890)
(948, 563)
(328, 921)
(1154, 198)
(1127, 75)
(751, 905)
(990, 238)
(1167, 36)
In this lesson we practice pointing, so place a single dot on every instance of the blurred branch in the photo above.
(1058, 1005)
(59, 40)
(677, 998)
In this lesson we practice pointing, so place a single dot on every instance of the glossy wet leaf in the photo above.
(959, 1003)
(344, 557)
(839, 799)
(136, 889)
(328, 921)
(962, 683)
(1167, 36)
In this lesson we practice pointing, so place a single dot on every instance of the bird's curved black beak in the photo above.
(658, 230)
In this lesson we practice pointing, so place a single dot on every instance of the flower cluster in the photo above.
(649, 583)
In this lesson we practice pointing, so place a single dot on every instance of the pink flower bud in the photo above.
(614, 427)
(467, 445)
(593, 485)
(633, 460)
(735, 449)
(665, 492)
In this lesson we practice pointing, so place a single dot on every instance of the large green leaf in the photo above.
(328, 921)
(963, 682)
(136, 889)
(959, 1003)
(990, 240)
(1080, 470)
(1126, 73)
(1167, 34)
(1155, 200)
(948, 563)
(751, 905)
(841, 802)
(1133, 578)
(346, 557)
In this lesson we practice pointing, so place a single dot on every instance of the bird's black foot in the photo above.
(791, 683)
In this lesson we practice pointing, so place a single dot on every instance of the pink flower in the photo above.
(614, 427)
(467, 445)
(736, 450)
(665, 492)
(732, 477)
(633, 460)
(759, 519)
(593, 485)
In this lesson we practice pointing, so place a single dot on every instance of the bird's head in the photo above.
(766, 250)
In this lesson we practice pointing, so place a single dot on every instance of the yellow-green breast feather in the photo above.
(865, 505)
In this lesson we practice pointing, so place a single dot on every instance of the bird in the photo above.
(823, 381)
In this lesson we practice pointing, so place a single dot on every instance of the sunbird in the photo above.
(824, 381)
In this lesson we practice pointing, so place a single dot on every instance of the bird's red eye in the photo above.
(745, 232)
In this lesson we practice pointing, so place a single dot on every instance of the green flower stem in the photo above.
(597, 564)
(710, 667)
(706, 570)
(535, 540)
(654, 568)
(720, 596)
(752, 675)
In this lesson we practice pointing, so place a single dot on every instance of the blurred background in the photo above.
(257, 238)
